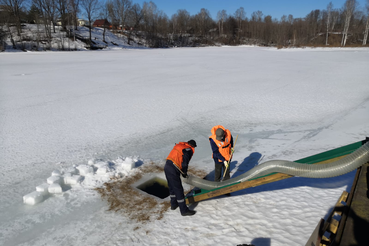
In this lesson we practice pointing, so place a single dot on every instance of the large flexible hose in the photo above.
(333, 169)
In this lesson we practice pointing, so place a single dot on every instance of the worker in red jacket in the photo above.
(221, 142)
(176, 165)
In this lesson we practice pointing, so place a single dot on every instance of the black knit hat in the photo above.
(192, 143)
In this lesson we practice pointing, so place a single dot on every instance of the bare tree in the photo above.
(91, 8)
(162, 25)
(174, 23)
(14, 7)
(179, 24)
(268, 29)
(256, 24)
(221, 16)
(290, 32)
(48, 13)
(5, 20)
(204, 21)
(104, 13)
(135, 15)
(151, 19)
(335, 15)
(62, 9)
(300, 31)
(134, 19)
(61, 6)
(240, 15)
(112, 14)
(149, 11)
(183, 19)
(329, 10)
(122, 7)
(349, 9)
(283, 31)
(73, 6)
(313, 20)
(34, 15)
(367, 24)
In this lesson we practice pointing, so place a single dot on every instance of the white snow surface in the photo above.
(61, 112)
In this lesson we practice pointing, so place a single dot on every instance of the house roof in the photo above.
(101, 22)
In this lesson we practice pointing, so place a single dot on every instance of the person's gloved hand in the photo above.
(232, 150)
(226, 163)
(184, 175)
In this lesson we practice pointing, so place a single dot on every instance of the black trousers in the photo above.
(219, 171)
(175, 186)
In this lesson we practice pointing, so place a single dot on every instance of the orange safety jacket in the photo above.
(225, 147)
(176, 155)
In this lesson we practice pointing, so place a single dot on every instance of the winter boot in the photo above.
(173, 202)
(184, 209)
(189, 213)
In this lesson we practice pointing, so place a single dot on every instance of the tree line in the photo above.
(346, 25)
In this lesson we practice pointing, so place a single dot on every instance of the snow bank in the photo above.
(60, 42)
(90, 175)
(126, 164)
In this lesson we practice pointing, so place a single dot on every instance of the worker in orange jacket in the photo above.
(221, 142)
(176, 165)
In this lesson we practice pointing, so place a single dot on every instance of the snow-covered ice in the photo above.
(95, 115)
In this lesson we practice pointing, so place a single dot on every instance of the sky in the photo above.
(298, 9)
(92, 111)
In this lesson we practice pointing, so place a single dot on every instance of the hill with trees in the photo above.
(55, 22)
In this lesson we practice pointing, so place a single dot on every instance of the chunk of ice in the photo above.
(43, 189)
(73, 179)
(85, 169)
(101, 164)
(128, 164)
(55, 188)
(33, 198)
(54, 180)
(56, 173)
(72, 170)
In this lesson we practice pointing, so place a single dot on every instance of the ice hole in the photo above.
(155, 186)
